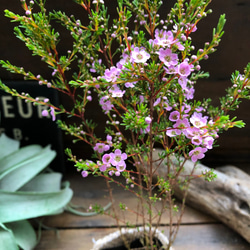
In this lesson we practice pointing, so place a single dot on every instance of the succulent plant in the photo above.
(27, 191)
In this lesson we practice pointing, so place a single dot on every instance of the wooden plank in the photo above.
(209, 237)
(191, 237)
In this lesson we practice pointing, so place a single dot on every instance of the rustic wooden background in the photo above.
(233, 53)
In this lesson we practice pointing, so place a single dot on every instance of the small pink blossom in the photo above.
(197, 120)
(109, 140)
(157, 101)
(121, 167)
(196, 140)
(148, 120)
(167, 57)
(173, 132)
(106, 104)
(174, 116)
(106, 159)
(130, 84)
(146, 130)
(52, 113)
(197, 153)
(179, 46)
(184, 69)
(101, 147)
(89, 98)
(84, 173)
(116, 91)
(192, 132)
(182, 124)
(118, 158)
(103, 167)
(163, 38)
(208, 142)
(183, 82)
(139, 55)
(111, 74)
(117, 173)
(45, 113)
(171, 69)
(189, 93)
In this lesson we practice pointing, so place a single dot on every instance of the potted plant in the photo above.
(142, 69)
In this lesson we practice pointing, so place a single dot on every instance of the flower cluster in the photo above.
(110, 160)
(164, 52)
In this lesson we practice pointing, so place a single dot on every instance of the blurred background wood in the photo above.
(233, 53)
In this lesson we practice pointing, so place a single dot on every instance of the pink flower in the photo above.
(197, 153)
(106, 159)
(103, 168)
(93, 69)
(173, 132)
(130, 84)
(118, 158)
(84, 173)
(89, 98)
(148, 120)
(106, 104)
(174, 116)
(111, 74)
(167, 57)
(179, 46)
(184, 69)
(109, 139)
(183, 82)
(182, 124)
(116, 91)
(166, 105)
(208, 142)
(139, 55)
(163, 38)
(52, 113)
(192, 132)
(171, 69)
(121, 167)
(157, 101)
(196, 140)
(117, 173)
(146, 130)
(45, 113)
(101, 147)
(189, 93)
(197, 120)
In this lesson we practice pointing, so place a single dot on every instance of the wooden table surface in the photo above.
(198, 231)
